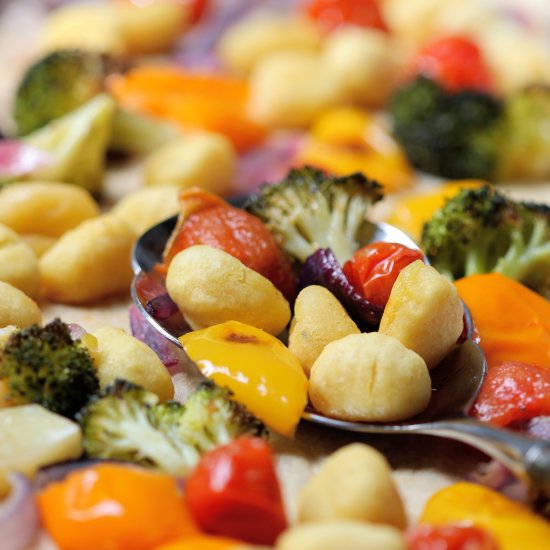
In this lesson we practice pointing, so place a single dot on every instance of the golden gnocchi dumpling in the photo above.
(424, 312)
(353, 483)
(120, 355)
(210, 286)
(369, 377)
(16, 308)
(365, 62)
(201, 159)
(252, 38)
(89, 262)
(45, 208)
(18, 263)
(290, 89)
(345, 534)
(146, 207)
(319, 318)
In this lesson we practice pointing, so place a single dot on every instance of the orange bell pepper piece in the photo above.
(202, 542)
(114, 507)
(513, 322)
(193, 100)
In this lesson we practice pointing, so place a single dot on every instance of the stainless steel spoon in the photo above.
(456, 381)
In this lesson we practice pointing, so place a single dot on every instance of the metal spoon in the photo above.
(456, 381)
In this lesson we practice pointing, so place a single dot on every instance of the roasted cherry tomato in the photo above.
(449, 537)
(333, 13)
(114, 507)
(455, 62)
(374, 268)
(208, 219)
(234, 492)
(513, 391)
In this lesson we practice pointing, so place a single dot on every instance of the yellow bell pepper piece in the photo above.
(347, 139)
(260, 370)
(412, 212)
(513, 525)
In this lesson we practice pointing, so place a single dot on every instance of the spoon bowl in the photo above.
(455, 382)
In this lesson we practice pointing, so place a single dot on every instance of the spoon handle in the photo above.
(527, 458)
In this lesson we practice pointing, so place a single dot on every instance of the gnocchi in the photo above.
(89, 262)
(120, 355)
(16, 308)
(247, 42)
(369, 377)
(353, 483)
(45, 208)
(290, 89)
(319, 318)
(424, 312)
(203, 159)
(146, 207)
(210, 286)
(18, 263)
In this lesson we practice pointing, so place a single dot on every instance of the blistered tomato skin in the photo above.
(332, 14)
(234, 491)
(513, 391)
(260, 370)
(114, 507)
(375, 267)
(456, 62)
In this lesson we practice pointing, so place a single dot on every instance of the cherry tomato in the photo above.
(513, 391)
(456, 62)
(374, 268)
(333, 13)
(449, 537)
(234, 492)
(114, 507)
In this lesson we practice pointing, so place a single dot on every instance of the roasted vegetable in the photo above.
(525, 153)
(55, 85)
(310, 209)
(482, 230)
(63, 81)
(454, 135)
(126, 422)
(76, 143)
(45, 365)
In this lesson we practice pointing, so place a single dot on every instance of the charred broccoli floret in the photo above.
(55, 85)
(454, 135)
(127, 422)
(45, 365)
(525, 153)
(63, 81)
(482, 230)
(310, 209)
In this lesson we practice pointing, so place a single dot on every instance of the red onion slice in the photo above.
(18, 515)
(18, 159)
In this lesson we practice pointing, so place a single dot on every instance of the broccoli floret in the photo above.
(525, 153)
(45, 365)
(77, 143)
(310, 209)
(454, 135)
(213, 418)
(63, 81)
(55, 85)
(482, 230)
(128, 423)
